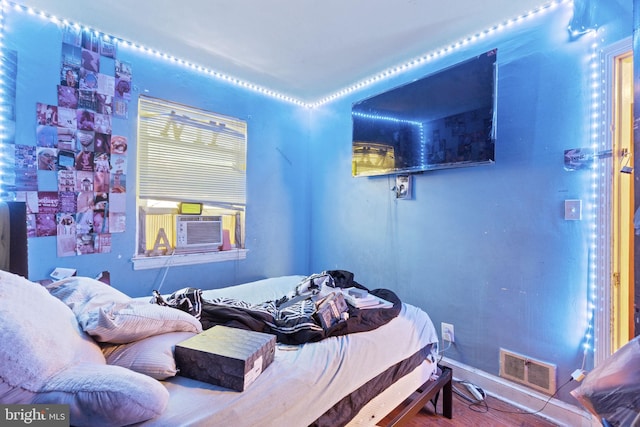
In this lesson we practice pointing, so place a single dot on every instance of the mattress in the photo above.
(304, 382)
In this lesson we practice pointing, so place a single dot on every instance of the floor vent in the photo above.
(527, 371)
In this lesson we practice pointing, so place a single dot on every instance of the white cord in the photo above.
(167, 266)
(441, 352)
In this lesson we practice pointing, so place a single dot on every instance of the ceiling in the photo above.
(302, 48)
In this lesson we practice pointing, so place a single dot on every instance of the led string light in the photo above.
(377, 117)
(598, 126)
(211, 73)
(395, 70)
(3, 113)
(384, 118)
(388, 73)
(155, 53)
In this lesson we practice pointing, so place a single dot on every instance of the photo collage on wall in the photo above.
(76, 148)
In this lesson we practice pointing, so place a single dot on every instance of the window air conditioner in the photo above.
(198, 233)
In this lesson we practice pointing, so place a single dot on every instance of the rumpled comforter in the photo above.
(296, 323)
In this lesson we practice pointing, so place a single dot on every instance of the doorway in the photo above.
(615, 319)
(622, 206)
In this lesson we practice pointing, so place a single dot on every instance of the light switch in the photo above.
(573, 210)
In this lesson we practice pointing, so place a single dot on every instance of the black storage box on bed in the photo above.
(229, 357)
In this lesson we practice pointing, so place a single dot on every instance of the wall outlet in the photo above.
(447, 332)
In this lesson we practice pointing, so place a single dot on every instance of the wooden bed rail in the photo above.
(427, 392)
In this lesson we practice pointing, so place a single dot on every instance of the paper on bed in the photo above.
(359, 298)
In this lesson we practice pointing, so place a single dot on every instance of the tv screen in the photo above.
(442, 120)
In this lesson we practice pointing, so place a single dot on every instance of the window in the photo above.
(188, 155)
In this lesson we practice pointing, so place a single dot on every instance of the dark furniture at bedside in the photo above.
(429, 391)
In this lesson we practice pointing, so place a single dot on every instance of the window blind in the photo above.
(188, 154)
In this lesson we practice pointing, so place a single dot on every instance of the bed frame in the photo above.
(13, 237)
(428, 392)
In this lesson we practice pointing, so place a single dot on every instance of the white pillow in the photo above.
(109, 315)
(105, 395)
(153, 356)
(85, 294)
(124, 323)
(46, 358)
(39, 334)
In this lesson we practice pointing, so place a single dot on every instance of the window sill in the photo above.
(146, 263)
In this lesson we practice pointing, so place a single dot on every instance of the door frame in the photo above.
(605, 270)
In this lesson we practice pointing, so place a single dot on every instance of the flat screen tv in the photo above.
(443, 120)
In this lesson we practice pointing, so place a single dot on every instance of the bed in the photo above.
(67, 351)
(110, 359)
(315, 383)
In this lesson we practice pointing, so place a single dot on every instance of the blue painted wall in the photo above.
(484, 248)
(277, 226)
